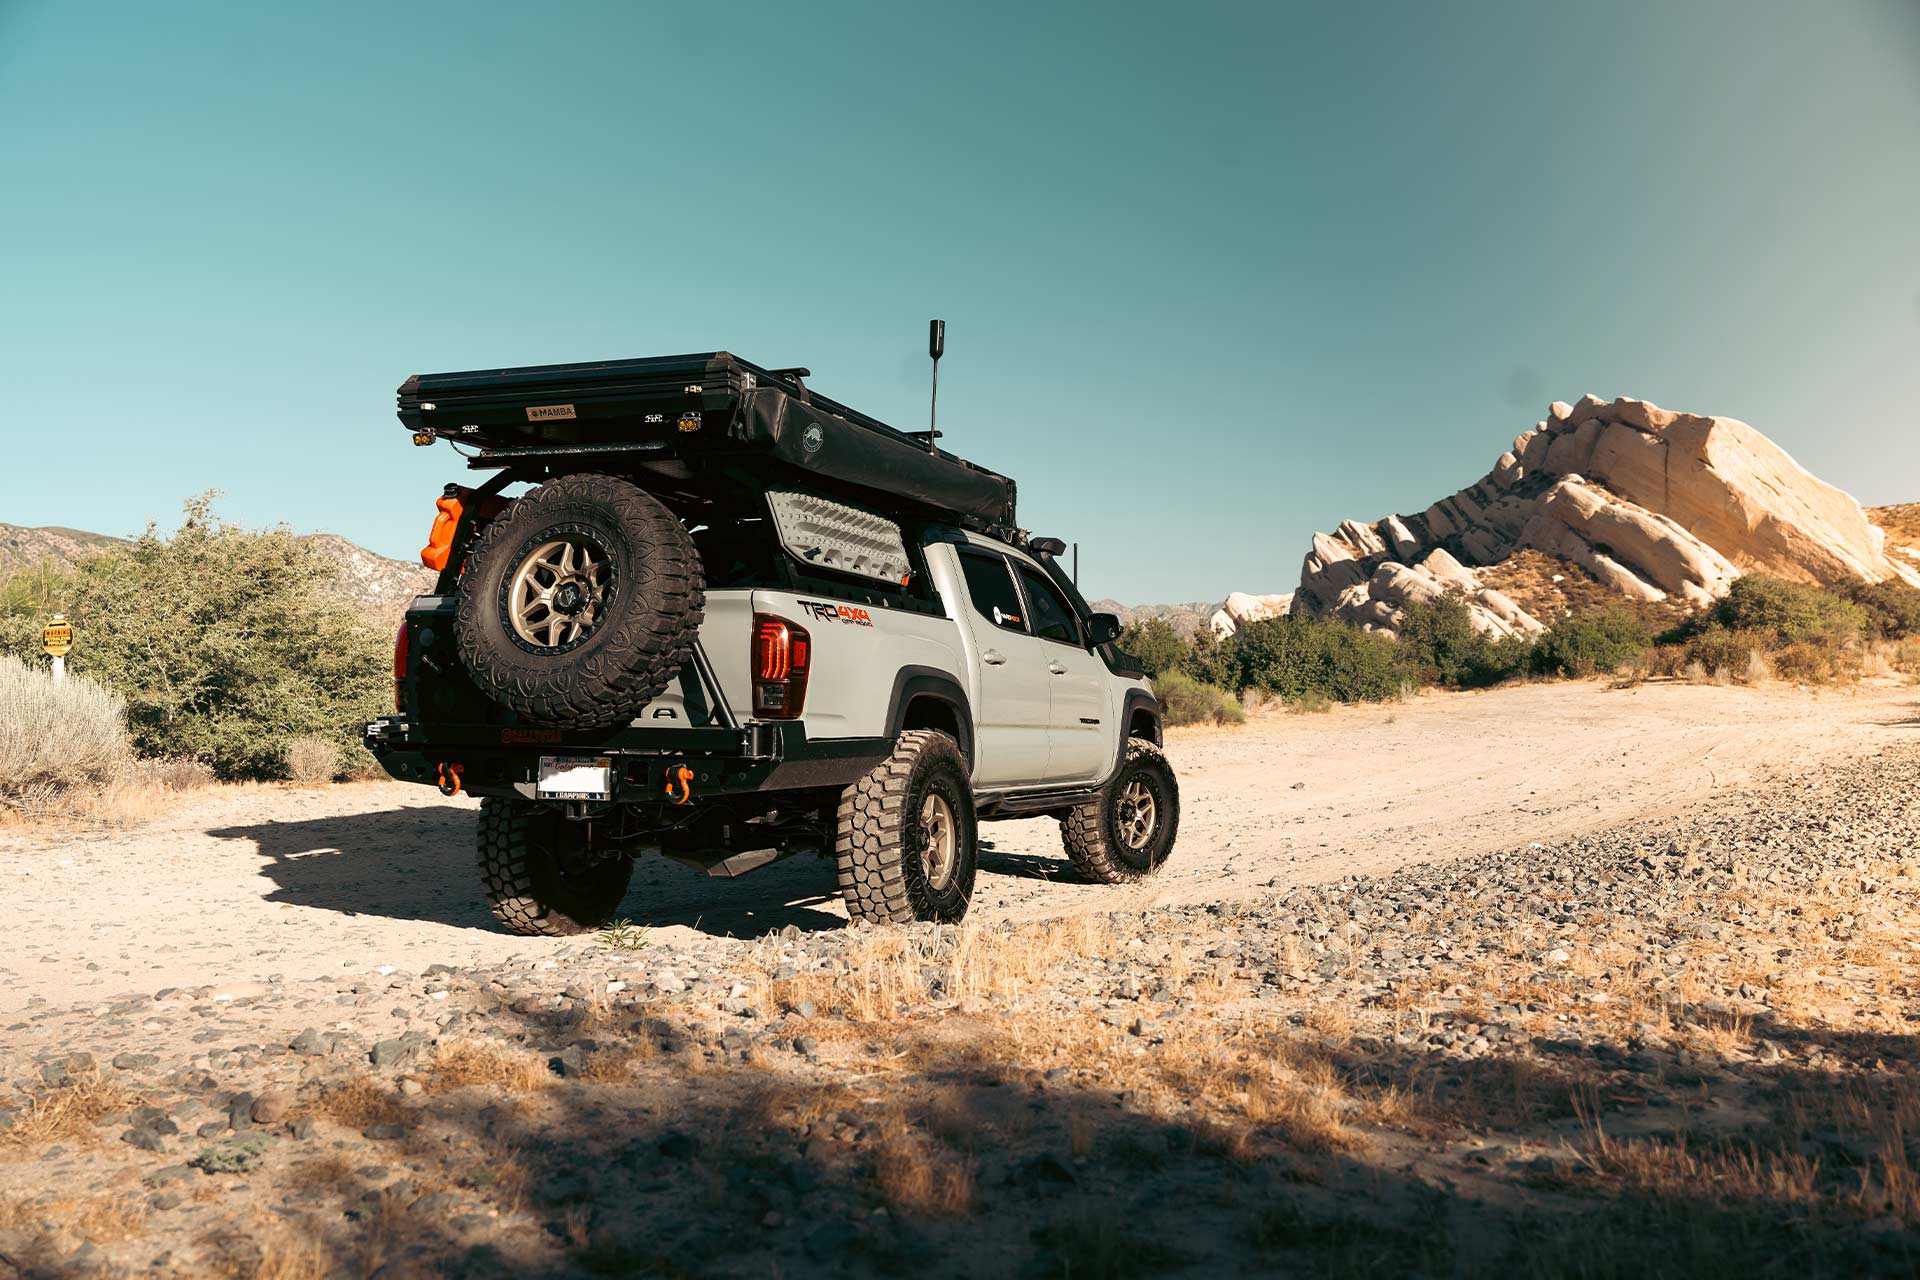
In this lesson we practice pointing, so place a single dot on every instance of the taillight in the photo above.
(782, 651)
(400, 668)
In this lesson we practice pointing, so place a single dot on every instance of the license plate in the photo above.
(575, 778)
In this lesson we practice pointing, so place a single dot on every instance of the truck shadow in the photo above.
(977, 1152)
(417, 863)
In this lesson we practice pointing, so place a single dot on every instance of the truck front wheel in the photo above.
(1128, 832)
(907, 841)
(541, 878)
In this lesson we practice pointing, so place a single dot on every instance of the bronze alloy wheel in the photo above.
(558, 592)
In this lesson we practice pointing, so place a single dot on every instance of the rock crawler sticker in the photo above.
(837, 612)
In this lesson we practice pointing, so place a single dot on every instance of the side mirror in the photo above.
(1102, 628)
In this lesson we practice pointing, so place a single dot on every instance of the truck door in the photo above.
(1080, 741)
(1011, 707)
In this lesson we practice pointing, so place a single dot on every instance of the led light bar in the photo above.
(831, 535)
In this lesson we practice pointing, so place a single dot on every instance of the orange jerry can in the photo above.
(445, 523)
(452, 504)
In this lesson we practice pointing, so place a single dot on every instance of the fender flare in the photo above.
(911, 683)
(1141, 700)
(1136, 700)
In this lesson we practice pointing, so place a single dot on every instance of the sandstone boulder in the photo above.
(1242, 608)
(1652, 503)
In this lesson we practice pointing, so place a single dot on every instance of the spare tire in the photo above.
(580, 603)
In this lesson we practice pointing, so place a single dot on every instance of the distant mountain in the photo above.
(20, 547)
(380, 585)
(1187, 619)
(377, 584)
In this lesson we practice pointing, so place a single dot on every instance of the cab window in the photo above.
(990, 586)
(1052, 616)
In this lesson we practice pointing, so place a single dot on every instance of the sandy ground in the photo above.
(258, 883)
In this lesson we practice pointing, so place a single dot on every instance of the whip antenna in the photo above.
(936, 346)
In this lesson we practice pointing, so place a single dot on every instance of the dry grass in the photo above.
(289, 1257)
(889, 972)
(328, 1172)
(1675, 1167)
(915, 1173)
(312, 761)
(464, 1064)
(103, 1219)
(361, 1102)
(1902, 525)
(70, 1113)
(1547, 587)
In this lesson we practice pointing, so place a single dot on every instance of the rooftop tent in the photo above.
(713, 418)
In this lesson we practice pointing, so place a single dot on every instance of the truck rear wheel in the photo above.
(540, 878)
(1128, 832)
(908, 840)
(580, 603)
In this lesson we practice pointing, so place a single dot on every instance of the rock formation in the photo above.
(1242, 608)
(1653, 504)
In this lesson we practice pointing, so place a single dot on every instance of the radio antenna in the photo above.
(936, 347)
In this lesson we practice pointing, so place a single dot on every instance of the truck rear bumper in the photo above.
(759, 756)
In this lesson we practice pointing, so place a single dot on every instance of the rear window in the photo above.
(738, 553)
(990, 587)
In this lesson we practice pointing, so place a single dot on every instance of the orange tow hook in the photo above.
(450, 778)
(679, 784)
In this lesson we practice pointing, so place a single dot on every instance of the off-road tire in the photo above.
(652, 612)
(1091, 831)
(880, 843)
(528, 883)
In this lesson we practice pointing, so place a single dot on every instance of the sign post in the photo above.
(57, 639)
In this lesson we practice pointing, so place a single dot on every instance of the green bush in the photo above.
(1585, 646)
(1892, 607)
(55, 738)
(1184, 700)
(1156, 646)
(1438, 640)
(1210, 659)
(1788, 612)
(1717, 649)
(226, 643)
(1295, 657)
(1440, 645)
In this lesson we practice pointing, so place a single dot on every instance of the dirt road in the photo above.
(251, 883)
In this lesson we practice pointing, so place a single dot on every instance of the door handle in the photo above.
(993, 658)
(1056, 668)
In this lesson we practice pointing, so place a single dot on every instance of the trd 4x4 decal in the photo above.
(837, 612)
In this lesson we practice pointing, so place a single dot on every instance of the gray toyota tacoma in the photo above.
(731, 620)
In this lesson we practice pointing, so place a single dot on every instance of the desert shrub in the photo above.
(1892, 607)
(1296, 657)
(1787, 612)
(1210, 659)
(1904, 656)
(1813, 663)
(1438, 640)
(226, 643)
(1311, 703)
(1184, 700)
(1665, 660)
(312, 760)
(171, 773)
(56, 738)
(1440, 645)
(1735, 652)
(1585, 646)
(1156, 645)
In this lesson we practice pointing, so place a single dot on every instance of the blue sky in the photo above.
(1214, 275)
